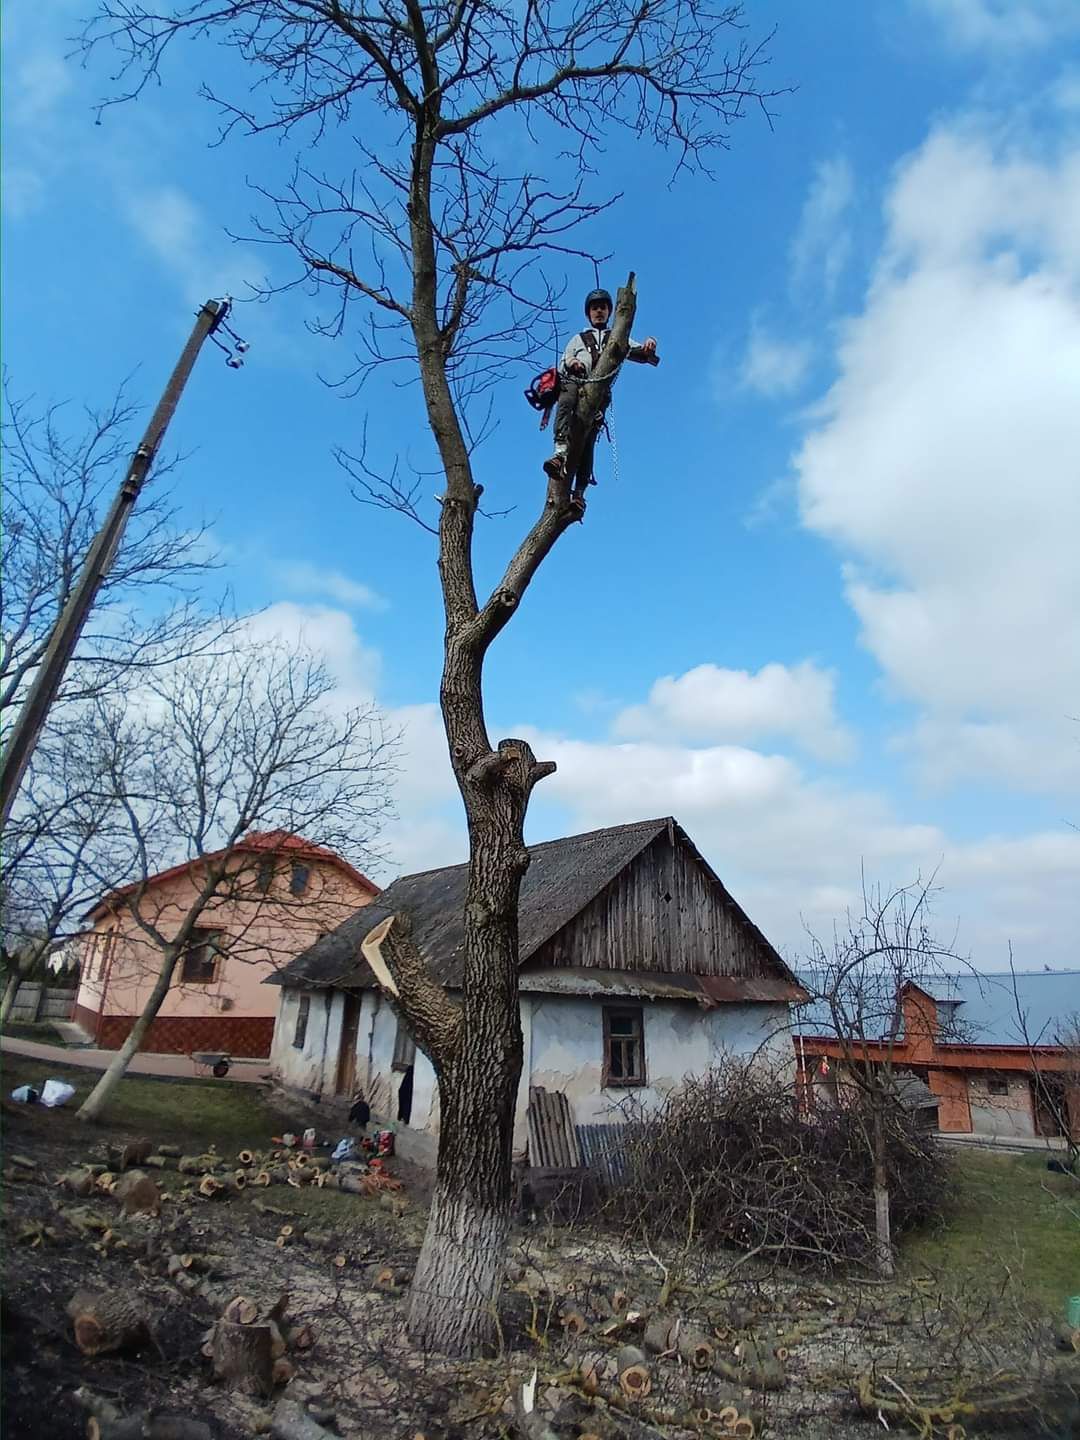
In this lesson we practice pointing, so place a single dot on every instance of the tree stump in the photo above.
(106, 1322)
(242, 1357)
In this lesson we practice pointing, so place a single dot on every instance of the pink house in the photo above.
(282, 894)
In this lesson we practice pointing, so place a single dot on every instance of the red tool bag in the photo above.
(543, 393)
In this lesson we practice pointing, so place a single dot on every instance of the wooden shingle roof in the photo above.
(563, 877)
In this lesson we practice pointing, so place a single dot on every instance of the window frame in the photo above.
(997, 1085)
(299, 877)
(300, 1026)
(623, 1082)
(202, 938)
(264, 874)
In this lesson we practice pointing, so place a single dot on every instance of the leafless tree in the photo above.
(58, 481)
(856, 985)
(58, 477)
(202, 755)
(440, 242)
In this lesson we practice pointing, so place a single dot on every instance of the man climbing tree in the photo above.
(441, 243)
(579, 363)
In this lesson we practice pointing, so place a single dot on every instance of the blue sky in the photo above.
(826, 614)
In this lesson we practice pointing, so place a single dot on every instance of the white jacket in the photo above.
(578, 351)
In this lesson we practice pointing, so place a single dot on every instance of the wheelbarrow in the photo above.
(217, 1063)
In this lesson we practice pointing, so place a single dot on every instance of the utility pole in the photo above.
(69, 626)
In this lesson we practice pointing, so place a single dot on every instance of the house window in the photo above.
(199, 962)
(404, 1048)
(997, 1084)
(303, 1008)
(264, 876)
(624, 1045)
(298, 879)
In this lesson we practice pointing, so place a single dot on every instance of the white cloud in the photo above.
(327, 633)
(172, 226)
(712, 703)
(1002, 26)
(944, 459)
(793, 849)
(312, 580)
(821, 244)
(772, 366)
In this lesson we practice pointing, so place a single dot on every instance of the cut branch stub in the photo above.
(402, 971)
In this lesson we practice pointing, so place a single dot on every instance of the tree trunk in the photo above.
(243, 1357)
(455, 1290)
(114, 1320)
(95, 1103)
(11, 991)
(882, 1219)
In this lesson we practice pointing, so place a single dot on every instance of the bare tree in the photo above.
(58, 480)
(62, 830)
(856, 989)
(203, 754)
(441, 244)
(58, 476)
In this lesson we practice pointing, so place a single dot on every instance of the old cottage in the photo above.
(638, 969)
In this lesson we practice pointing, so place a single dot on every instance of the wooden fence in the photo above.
(36, 1002)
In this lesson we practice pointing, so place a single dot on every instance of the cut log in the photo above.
(172, 1151)
(105, 1181)
(197, 1164)
(138, 1194)
(300, 1337)
(209, 1187)
(632, 1370)
(241, 1357)
(79, 1182)
(241, 1310)
(592, 1370)
(292, 1422)
(283, 1370)
(246, 1157)
(24, 1162)
(157, 1162)
(695, 1348)
(106, 1322)
(261, 1177)
(148, 1427)
(657, 1339)
(126, 1156)
(573, 1322)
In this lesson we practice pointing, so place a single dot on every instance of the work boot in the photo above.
(577, 502)
(555, 466)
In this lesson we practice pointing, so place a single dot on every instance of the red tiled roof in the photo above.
(258, 842)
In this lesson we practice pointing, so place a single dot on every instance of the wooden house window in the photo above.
(404, 1048)
(199, 962)
(298, 878)
(624, 1045)
(303, 1009)
(997, 1084)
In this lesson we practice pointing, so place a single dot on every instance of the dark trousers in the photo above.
(566, 427)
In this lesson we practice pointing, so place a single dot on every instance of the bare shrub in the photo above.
(730, 1160)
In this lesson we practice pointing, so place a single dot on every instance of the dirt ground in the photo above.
(787, 1353)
